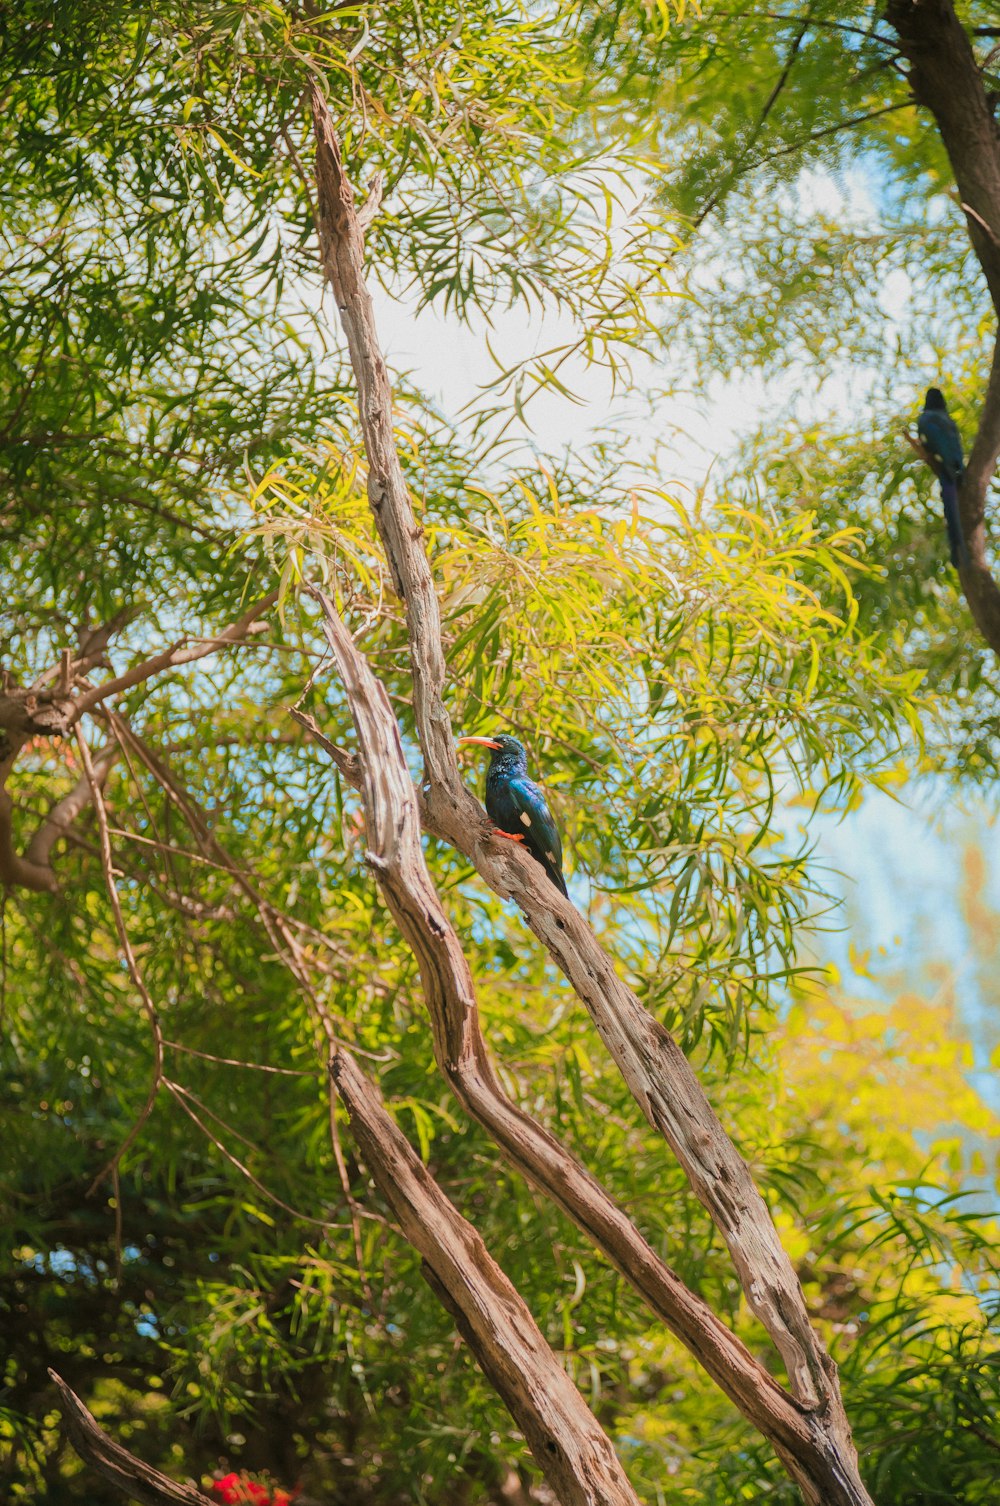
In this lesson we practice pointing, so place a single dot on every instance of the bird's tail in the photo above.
(555, 874)
(956, 539)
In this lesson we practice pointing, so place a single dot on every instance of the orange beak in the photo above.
(483, 742)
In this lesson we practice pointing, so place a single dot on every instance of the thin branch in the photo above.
(185, 651)
(181, 1096)
(830, 130)
(234, 1061)
(346, 762)
(130, 961)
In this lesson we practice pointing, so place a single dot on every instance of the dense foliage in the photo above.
(177, 435)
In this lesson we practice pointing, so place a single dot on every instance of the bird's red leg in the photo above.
(512, 836)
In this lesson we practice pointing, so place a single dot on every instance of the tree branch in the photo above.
(566, 1439)
(134, 1478)
(393, 823)
(39, 712)
(653, 1065)
(182, 652)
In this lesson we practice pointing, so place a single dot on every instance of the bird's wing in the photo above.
(536, 818)
(939, 433)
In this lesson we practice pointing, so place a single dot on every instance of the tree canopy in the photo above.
(192, 923)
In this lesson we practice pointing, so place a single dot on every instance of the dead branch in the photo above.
(393, 824)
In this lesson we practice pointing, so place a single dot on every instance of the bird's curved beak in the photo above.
(484, 742)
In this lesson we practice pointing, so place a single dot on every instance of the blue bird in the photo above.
(516, 805)
(939, 435)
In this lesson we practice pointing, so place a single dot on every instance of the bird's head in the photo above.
(501, 746)
(935, 400)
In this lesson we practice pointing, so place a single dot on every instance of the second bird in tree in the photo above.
(517, 806)
(939, 435)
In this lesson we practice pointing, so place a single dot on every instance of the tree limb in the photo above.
(393, 824)
(134, 1478)
(653, 1065)
(657, 1073)
(182, 652)
(41, 712)
(565, 1437)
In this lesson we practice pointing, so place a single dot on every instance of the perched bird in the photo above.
(939, 435)
(517, 806)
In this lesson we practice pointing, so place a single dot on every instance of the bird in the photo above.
(516, 805)
(939, 435)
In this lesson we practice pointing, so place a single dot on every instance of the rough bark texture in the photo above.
(651, 1062)
(396, 855)
(946, 80)
(566, 1439)
(136, 1480)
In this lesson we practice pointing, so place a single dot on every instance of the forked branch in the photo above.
(565, 1437)
(653, 1065)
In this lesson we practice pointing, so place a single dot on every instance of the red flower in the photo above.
(228, 1489)
(239, 1490)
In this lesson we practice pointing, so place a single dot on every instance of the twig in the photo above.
(180, 1096)
(232, 1061)
(130, 962)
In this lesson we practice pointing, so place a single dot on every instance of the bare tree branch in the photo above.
(135, 1479)
(566, 1439)
(185, 651)
(658, 1074)
(391, 806)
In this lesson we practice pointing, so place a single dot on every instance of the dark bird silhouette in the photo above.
(516, 805)
(939, 435)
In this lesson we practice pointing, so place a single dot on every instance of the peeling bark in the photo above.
(395, 854)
